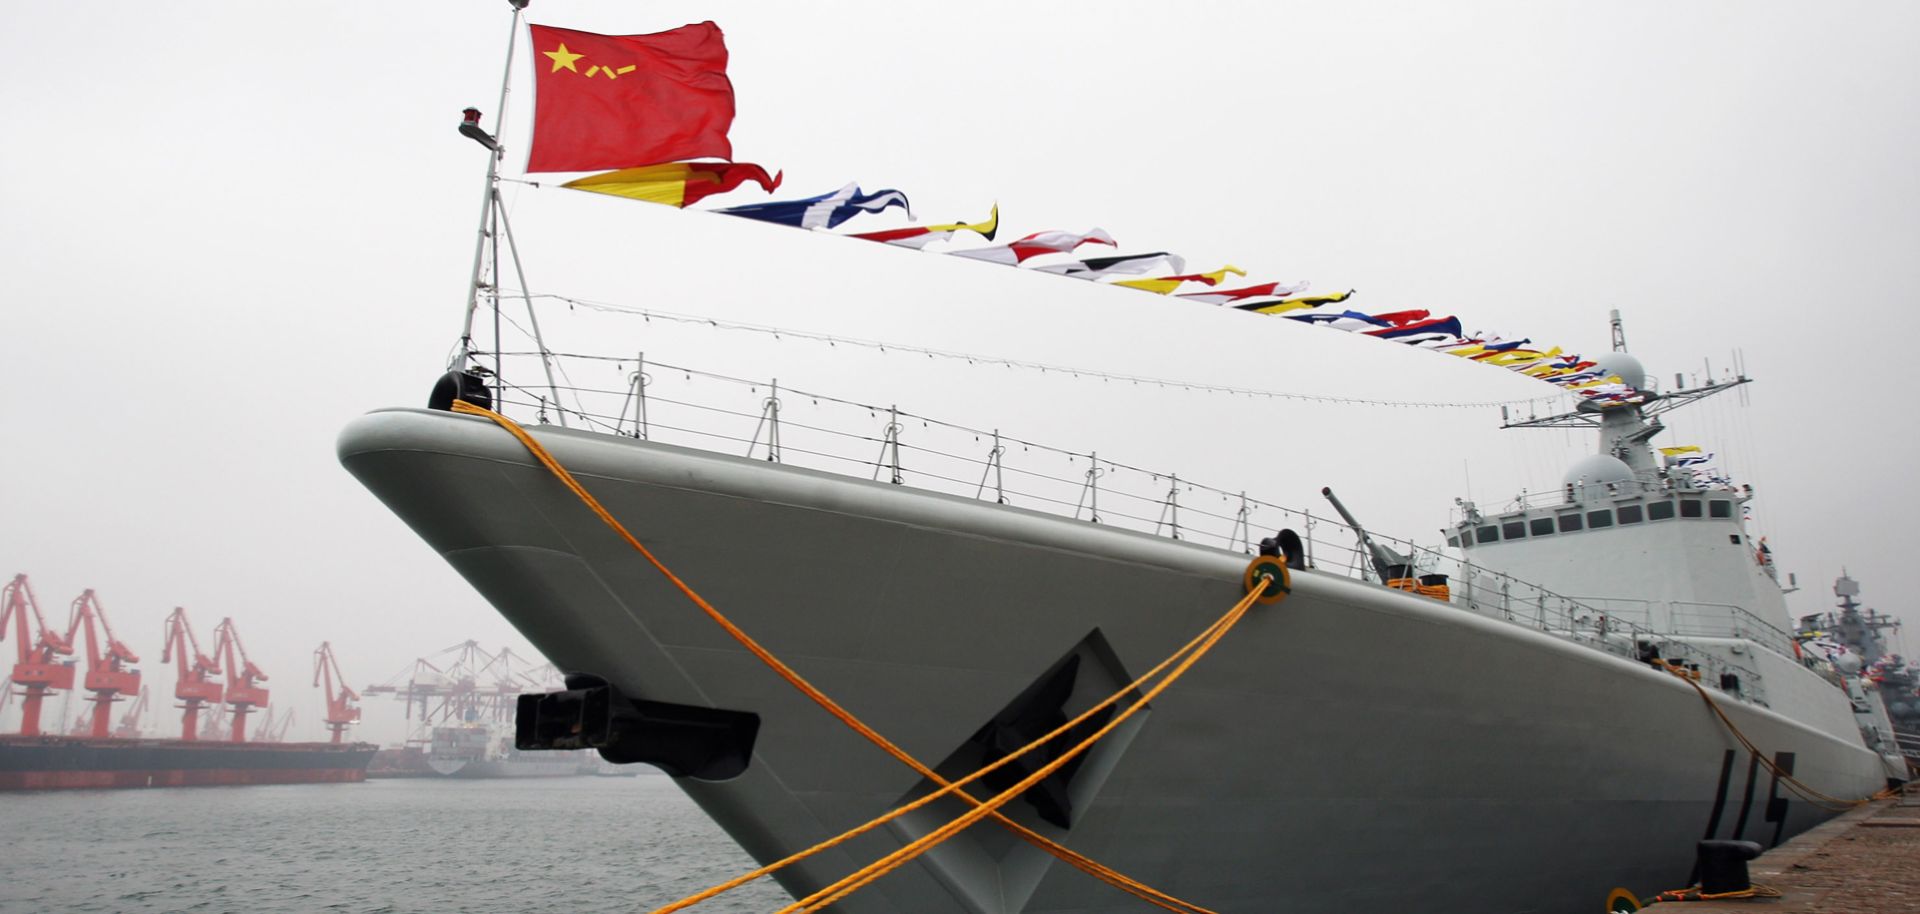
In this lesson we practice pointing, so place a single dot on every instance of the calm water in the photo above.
(561, 844)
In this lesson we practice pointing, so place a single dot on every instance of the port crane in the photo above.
(37, 670)
(193, 688)
(467, 685)
(244, 692)
(343, 710)
(108, 676)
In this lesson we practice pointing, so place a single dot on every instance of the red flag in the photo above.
(617, 101)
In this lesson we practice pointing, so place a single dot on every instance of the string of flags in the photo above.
(636, 103)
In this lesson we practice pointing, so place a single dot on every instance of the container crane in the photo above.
(244, 692)
(342, 708)
(192, 687)
(36, 670)
(107, 674)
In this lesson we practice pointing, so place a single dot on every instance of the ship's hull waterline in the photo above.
(1349, 749)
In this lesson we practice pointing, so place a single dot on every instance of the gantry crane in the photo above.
(36, 670)
(193, 688)
(342, 708)
(244, 692)
(474, 687)
(107, 674)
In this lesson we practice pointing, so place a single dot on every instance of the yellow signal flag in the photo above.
(1166, 284)
(675, 183)
(1515, 358)
(1682, 449)
(1302, 303)
(987, 228)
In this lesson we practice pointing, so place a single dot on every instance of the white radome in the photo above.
(1598, 469)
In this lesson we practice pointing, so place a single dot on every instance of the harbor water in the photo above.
(575, 845)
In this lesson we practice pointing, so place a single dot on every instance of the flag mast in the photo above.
(471, 127)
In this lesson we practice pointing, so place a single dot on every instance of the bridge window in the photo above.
(1569, 523)
(1629, 514)
(1453, 541)
(1487, 534)
(1542, 526)
(1660, 510)
(1719, 507)
(1689, 507)
(1600, 518)
(1514, 530)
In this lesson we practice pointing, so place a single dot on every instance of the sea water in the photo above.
(579, 844)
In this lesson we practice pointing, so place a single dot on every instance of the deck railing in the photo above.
(768, 421)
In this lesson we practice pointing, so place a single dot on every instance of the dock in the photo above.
(1864, 861)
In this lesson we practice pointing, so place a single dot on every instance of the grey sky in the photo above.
(230, 227)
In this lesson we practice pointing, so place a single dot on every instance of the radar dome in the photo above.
(1598, 469)
(1627, 368)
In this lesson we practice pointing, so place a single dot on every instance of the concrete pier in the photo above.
(1865, 861)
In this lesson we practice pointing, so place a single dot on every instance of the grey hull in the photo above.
(1349, 749)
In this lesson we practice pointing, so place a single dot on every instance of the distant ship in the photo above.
(1850, 645)
(63, 762)
(1437, 734)
(480, 751)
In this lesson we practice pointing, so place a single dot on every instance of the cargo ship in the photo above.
(479, 751)
(65, 762)
(461, 702)
(97, 753)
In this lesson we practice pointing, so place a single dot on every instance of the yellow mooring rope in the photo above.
(1275, 581)
(1805, 790)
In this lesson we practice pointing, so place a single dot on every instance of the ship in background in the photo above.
(459, 708)
(1521, 715)
(1859, 648)
(213, 747)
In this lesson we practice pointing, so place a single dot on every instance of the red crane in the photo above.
(36, 670)
(243, 678)
(342, 710)
(107, 675)
(193, 688)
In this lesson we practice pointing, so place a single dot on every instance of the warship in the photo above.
(1555, 707)
(1855, 646)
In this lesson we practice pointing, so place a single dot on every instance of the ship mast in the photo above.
(470, 126)
(486, 246)
(1626, 428)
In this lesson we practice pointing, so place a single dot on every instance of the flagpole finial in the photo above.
(518, 4)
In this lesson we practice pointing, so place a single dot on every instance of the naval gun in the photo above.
(1395, 570)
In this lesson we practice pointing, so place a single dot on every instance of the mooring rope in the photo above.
(1091, 867)
(1805, 790)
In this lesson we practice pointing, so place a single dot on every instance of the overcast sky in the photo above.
(228, 228)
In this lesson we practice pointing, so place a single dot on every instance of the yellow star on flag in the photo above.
(563, 58)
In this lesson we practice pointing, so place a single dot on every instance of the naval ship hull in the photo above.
(1351, 748)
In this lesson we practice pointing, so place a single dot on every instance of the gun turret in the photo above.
(1390, 565)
